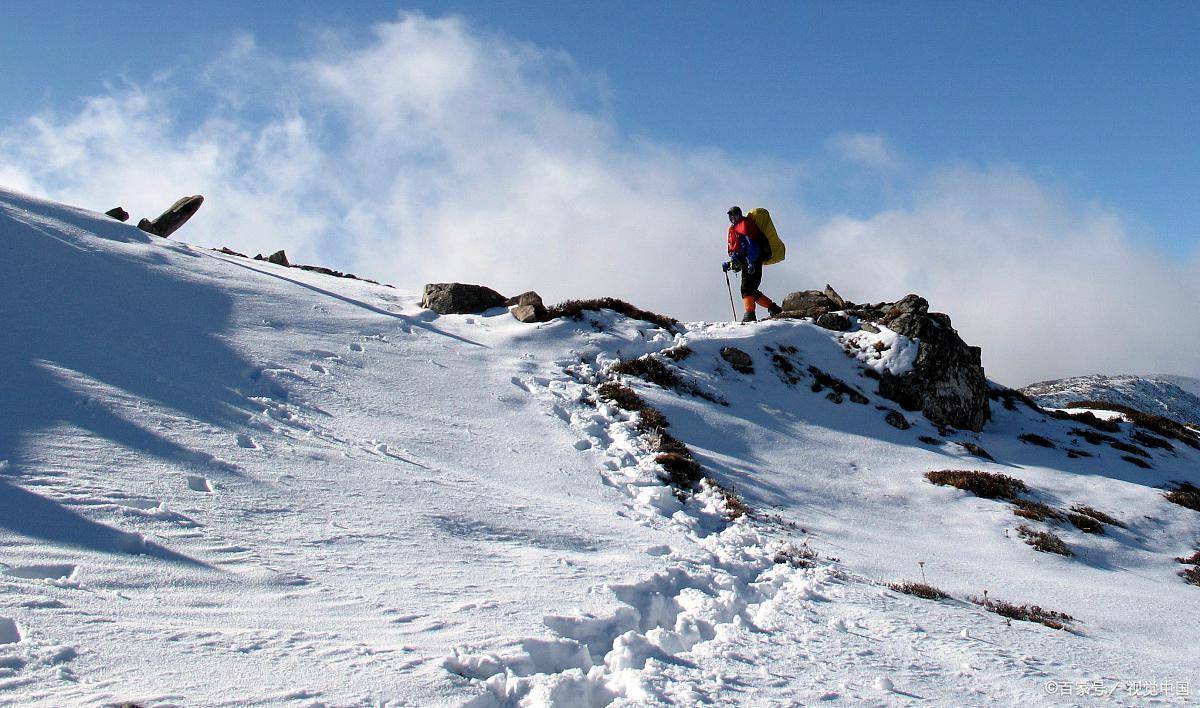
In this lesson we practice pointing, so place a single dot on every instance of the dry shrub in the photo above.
(575, 308)
(1191, 575)
(1035, 439)
(929, 440)
(1151, 441)
(1085, 523)
(1193, 559)
(987, 485)
(1010, 397)
(1165, 427)
(1044, 541)
(1075, 453)
(836, 385)
(680, 471)
(795, 556)
(922, 590)
(1092, 436)
(1035, 511)
(650, 419)
(651, 369)
(1087, 418)
(1097, 515)
(1126, 447)
(677, 353)
(1185, 494)
(1136, 461)
(976, 450)
(1024, 613)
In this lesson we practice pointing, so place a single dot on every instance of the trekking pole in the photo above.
(730, 289)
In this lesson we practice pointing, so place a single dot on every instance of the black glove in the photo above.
(736, 265)
(726, 266)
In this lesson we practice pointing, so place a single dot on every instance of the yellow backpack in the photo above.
(762, 219)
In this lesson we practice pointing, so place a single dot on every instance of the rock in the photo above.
(526, 298)
(230, 252)
(170, 220)
(832, 294)
(946, 382)
(118, 213)
(807, 303)
(738, 359)
(834, 321)
(896, 419)
(279, 258)
(460, 298)
(868, 327)
(529, 313)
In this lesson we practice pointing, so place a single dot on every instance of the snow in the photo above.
(322, 494)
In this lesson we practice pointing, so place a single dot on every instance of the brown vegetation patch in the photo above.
(976, 450)
(650, 419)
(1025, 613)
(1092, 436)
(922, 590)
(1097, 515)
(1151, 440)
(1137, 461)
(796, 556)
(1185, 494)
(836, 386)
(929, 440)
(1085, 523)
(1165, 427)
(1044, 541)
(987, 485)
(1126, 447)
(1035, 439)
(1035, 511)
(677, 353)
(575, 308)
(1010, 397)
(653, 370)
(1087, 418)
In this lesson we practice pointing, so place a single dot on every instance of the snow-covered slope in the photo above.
(1176, 397)
(226, 481)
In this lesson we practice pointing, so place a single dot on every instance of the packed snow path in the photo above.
(228, 482)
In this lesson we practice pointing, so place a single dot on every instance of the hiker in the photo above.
(748, 248)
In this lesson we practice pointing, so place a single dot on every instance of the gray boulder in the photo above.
(738, 359)
(947, 382)
(525, 298)
(460, 298)
(279, 258)
(528, 313)
(834, 321)
(807, 303)
(896, 419)
(832, 294)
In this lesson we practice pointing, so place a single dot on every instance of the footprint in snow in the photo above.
(49, 571)
(199, 484)
(9, 632)
(318, 368)
(247, 442)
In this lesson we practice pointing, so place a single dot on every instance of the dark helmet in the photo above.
(735, 210)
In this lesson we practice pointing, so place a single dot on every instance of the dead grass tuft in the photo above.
(1137, 461)
(976, 450)
(987, 485)
(575, 308)
(1126, 447)
(1044, 541)
(678, 353)
(1097, 515)
(1035, 439)
(650, 419)
(1085, 523)
(796, 556)
(1185, 494)
(1024, 613)
(1165, 427)
(1087, 418)
(922, 590)
(838, 388)
(653, 370)
(1036, 511)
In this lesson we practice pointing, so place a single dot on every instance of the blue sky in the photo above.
(1100, 97)
(1029, 167)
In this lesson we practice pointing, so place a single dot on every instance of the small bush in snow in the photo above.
(1010, 398)
(575, 308)
(923, 590)
(988, 485)
(1044, 541)
(1085, 523)
(1025, 613)
(1035, 439)
(837, 387)
(680, 471)
(1155, 423)
(976, 450)
(625, 398)
(1092, 436)
(1136, 461)
(649, 368)
(795, 556)
(1185, 494)
(677, 353)
(1126, 447)
(929, 440)
(1097, 515)
(1087, 418)
(1035, 511)
(1191, 575)
(1151, 441)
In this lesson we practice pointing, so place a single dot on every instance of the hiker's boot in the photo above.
(774, 309)
(749, 316)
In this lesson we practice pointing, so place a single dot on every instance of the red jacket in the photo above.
(746, 241)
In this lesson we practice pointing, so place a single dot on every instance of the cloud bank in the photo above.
(431, 149)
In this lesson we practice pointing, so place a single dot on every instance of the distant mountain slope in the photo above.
(1175, 397)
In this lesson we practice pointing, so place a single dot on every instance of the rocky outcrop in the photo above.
(117, 213)
(460, 298)
(527, 307)
(170, 220)
(946, 382)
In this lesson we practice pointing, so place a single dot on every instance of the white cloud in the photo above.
(432, 150)
(869, 149)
